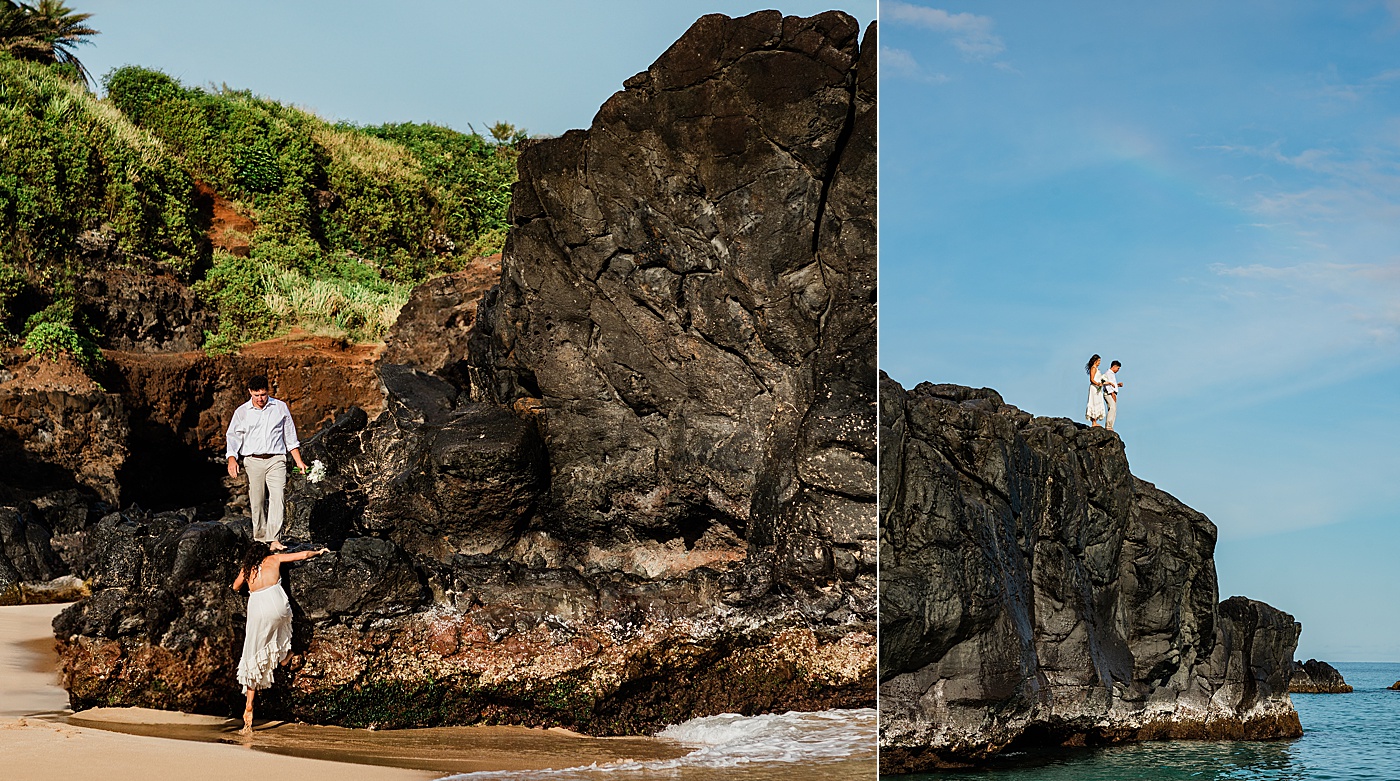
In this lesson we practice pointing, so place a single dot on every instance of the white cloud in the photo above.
(971, 34)
(901, 63)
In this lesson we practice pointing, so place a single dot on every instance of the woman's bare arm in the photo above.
(299, 555)
(238, 581)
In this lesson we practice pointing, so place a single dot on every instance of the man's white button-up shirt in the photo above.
(254, 431)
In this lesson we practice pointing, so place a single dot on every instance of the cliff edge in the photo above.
(1034, 592)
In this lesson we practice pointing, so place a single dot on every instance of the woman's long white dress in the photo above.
(1096, 409)
(269, 637)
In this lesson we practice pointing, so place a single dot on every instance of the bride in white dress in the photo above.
(1096, 409)
(268, 639)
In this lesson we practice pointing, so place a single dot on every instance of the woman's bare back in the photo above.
(269, 570)
(267, 574)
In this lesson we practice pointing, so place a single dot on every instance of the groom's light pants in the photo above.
(267, 477)
(1111, 399)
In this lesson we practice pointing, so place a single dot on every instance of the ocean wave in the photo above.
(733, 741)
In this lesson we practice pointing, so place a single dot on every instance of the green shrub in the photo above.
(357, 215)
(409, 199)
(49, 340)
(234, 287)
(69, 162)
(59, 329)
(473, 176)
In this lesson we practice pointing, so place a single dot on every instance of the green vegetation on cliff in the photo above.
(275, 216)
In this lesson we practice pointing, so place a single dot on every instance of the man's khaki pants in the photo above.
(266, 479)
(1109, 398)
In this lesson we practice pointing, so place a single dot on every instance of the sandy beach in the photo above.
(40, 740)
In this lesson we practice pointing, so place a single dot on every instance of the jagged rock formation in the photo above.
(1314, 677)
(639, 488)
(139, 311)
(58, 430)
(687, 297)
(31, 571)
(1034, 592)
(435, 325)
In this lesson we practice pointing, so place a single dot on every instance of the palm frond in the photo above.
(47, 32)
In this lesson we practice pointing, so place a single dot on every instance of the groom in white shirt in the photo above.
(262, 434)
(1110, 393)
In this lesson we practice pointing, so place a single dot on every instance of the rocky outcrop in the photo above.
(435, 324)
(1314, 677)
(135, 303)
(687, 298)
(142, 312)
(1034, 592)
(383, 638)
(634, 486)
(58, 430)
(31, 571)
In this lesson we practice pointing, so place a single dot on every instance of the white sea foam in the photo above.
(732, 741)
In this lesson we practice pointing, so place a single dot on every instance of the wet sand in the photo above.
(28, 664)
(445, 750)
(40, 740)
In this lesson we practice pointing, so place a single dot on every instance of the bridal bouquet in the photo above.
(317, 473)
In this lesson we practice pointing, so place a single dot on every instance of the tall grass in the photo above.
(334, 305)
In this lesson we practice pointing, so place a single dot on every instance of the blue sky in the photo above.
(1208, 192)
(544, 65)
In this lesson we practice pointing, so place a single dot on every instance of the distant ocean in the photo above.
(1346, 737)
(832, 745)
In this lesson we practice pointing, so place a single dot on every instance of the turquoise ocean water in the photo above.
(1347, 737)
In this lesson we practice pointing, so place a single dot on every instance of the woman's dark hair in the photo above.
(253, 558)
(1088, 367)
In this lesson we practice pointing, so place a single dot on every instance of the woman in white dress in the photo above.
(268, 639)
(1096, 409)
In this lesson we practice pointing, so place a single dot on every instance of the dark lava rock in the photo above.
(59, 431)
(141, 312)
(1034, 592)
(687, 298)
(366, 580)
(25, 545)
(33, 564)
(435, 325)
(436, 474)
(1314, 677)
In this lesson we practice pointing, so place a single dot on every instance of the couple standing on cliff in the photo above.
(1103, 393)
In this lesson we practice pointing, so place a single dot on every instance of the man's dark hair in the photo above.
(257, 382)
(1115, 365)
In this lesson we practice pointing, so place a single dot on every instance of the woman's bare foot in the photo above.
(247, 722)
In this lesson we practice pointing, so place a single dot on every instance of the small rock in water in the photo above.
(1314, 677)
(1395, 686)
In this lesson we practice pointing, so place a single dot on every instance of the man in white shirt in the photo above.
(1110, 393)
(262, 433)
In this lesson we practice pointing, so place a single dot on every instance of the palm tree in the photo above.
(20, 35)
(47, 32)
(64, 29)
